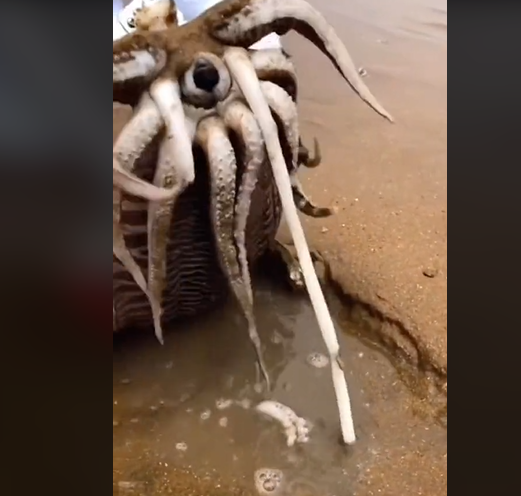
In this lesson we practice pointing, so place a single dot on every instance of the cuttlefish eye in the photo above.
(206, 82)
(206, 76)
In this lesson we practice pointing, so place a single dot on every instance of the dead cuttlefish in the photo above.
(160, 61)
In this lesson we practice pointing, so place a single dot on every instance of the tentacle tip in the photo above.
(350, 442)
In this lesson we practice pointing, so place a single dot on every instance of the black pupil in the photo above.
(206, 76)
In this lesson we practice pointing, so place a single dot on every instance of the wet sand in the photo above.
(388, 245)
(170, 437)
(390, 185)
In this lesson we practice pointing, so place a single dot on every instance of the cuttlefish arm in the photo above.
(159, 222)
(119, 247)
(130, 144)
(245, 22)
(175, 171)
(138, 56)
(212, 135)
(305, 205)
(306, 159)
(283, 106)
(240, 119)
(166, 94)
(276, 66)
(137, 59)
(134, 138)
(132, 185)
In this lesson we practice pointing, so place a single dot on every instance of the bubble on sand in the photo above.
(268, 481)
(223, 404)
(318, 361)
(245, 404)
(223, 422)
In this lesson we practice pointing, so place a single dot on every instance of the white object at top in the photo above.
(187, 10)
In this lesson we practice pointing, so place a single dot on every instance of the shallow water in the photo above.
(169, 434)
(163, 442)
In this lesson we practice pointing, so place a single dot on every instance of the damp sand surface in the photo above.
(388, 245)
(183, 421)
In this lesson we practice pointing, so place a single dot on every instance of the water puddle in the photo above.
(183, 422)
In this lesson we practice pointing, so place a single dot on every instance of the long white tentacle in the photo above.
(244, 74)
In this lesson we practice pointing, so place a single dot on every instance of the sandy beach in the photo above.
(388, 245)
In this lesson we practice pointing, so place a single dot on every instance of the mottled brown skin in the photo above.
(182, 43)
